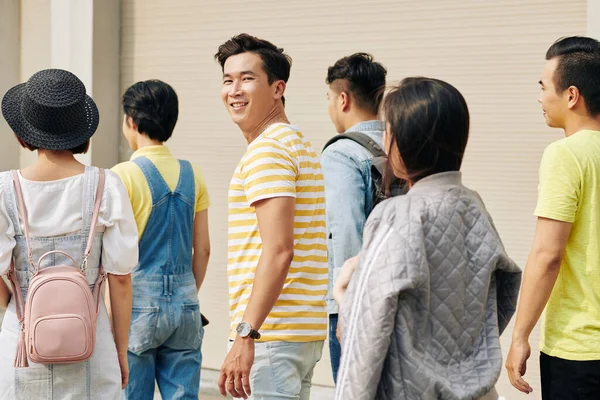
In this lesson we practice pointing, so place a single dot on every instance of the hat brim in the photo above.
(11, 110)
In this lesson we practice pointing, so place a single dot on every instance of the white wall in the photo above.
(593, 18)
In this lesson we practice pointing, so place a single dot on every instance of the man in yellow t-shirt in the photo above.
(277, 265)
(170, 204)
(563, 269)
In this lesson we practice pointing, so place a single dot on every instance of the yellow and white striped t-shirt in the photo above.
(280, 163)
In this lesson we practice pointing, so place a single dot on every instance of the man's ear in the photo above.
(279, 89)
(574, 97)
(345, 101)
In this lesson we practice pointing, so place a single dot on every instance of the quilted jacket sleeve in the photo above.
(508, 281)
(367, 316)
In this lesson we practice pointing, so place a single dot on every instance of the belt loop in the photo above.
(165, 285)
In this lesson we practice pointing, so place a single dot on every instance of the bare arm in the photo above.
(541, 272)
(120, 301)
(201, 247)
(539, 278)
(276, 225)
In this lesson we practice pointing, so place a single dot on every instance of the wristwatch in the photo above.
(245, 330)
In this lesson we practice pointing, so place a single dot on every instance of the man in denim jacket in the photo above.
(356, 85)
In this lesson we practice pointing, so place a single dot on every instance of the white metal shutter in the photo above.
(493, 52)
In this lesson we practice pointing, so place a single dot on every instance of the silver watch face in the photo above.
(243, 329)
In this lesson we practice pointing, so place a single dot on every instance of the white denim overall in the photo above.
(97, 378)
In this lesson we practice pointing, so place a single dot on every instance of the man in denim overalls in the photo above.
(170, 203)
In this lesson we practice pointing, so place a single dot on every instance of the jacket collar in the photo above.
(368, 126)
(436, 181)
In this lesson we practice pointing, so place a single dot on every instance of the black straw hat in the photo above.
(51, 111)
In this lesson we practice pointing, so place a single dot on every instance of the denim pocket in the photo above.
(588, 393)
(286, 365)
(143, 327)
(190, 330)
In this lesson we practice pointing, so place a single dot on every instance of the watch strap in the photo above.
(254, 334)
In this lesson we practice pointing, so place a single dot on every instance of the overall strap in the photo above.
(156, 183)
(87, 203)
(94, 220)
(187, 183)
(10, 200)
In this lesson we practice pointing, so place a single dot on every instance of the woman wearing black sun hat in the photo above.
(52, 114)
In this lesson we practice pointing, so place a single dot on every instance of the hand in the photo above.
(124, 365)
(235, 372)
(516, 364)
(338, 334)
(342, 282)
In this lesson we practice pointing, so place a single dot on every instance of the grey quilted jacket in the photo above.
(433, 291)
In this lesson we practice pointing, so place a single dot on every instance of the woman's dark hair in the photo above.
(81, 149)
(154, 107)
(579, 66)
(276, 63)
(428, 121)
(365, 79)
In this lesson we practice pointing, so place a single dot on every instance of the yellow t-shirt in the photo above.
(138, 189)
(569, 191)
(280, 163)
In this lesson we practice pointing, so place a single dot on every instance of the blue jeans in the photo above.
(335, 350)
(176, 372)
(283, 370)
(165, 340)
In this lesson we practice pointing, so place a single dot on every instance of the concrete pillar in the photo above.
(106, 81)
(81, 36)
(9, 76)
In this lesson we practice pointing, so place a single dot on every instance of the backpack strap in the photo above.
(97, 293)
(12, 276)
(361, 138)
(23, 214)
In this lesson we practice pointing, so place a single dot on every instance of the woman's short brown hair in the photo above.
(81, 149)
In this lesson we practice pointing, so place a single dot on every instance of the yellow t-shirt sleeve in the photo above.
(202, 198)
(559, 188)
(268, 171)
(138, 191)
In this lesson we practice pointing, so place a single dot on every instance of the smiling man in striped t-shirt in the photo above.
(277, 264)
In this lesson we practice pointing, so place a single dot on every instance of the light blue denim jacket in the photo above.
(346, 166)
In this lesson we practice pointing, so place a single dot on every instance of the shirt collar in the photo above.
(158, 150)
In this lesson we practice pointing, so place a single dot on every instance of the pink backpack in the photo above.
(59, 323)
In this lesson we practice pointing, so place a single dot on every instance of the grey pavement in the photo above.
(209, 390)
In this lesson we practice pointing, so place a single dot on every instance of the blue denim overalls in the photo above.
(166, 329)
